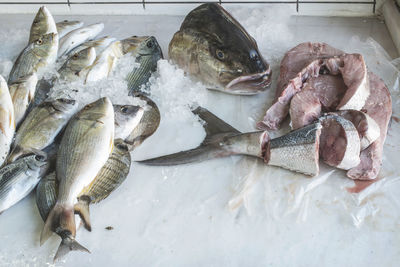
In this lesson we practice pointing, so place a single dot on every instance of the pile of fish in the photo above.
(339, 110)
(74, 157)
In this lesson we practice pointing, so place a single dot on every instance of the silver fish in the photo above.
(76, 63)
(18, 179)
(41, 126)
(22, 93)
(77, 37)
(42, 24)
(35, 57)
(126, 118)
(296, 151)
(7, 121)
(85, 147)
(98, 44)
(66, 26)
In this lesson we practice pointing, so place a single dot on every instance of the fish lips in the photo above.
(250, 84)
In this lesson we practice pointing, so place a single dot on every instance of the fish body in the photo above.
(7, 121)
(42, 24)
(85, 147)
(147, 52)
(72, 68)
(66, 26)
(18, 179)
(213, 47)
(22, 93)
(126, 119)
(77, 37)
(98, 44)
(35, 57)
(41, 126)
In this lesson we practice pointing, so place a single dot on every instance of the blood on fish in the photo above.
(360, 185)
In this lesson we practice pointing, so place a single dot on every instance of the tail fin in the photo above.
(68, 244)
(221, 140)
(82, 208)
(61, 218)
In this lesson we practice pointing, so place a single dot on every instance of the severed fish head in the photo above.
(213, 47)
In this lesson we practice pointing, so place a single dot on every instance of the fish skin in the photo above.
(214, 48)
(85, 147)
(42, 24)
(41, 126)
(7, 121)
(77, 37)
(66, 26)
(19, 178)
(147, 53)
(98, 44)
(22, 93)
(72, 68)
(126, 119)
(34, 58)
(148, 123)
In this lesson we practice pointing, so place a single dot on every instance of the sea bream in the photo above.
(41, 126)
(7, 121)
(42, 24)
(19, 178)
(71, 70)
(35, 58)
(296, 151)
(66, 26)
(213, 47)
(85, 147)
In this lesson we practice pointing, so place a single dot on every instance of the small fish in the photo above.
(7, 122)
(147, 52)
(98, 44)
(72, 68)
(85, 147)
(41, 126)
(42, 24)
(126, 118)
(148, 123)
(35, 58)
(22, 92)
(296, 151)
(66, 26)
(213, 47)
(19, 178)
(77, 37)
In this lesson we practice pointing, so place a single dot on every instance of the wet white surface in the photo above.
(227, 212)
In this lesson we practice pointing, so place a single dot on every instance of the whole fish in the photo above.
(77, 37)
(85, 147)
(41, 127)
(98, 44)
(213, 47)
(66, 26)
(296, 151)
(35, 57)
(147, 52)
(71, 70)
(22, 92)
(126, 119)
(42, 24)
(148, 123)
(7, 122)
(19, 178)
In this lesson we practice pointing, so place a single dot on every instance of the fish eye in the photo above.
(149, 44)
(40, 157)
(124, 109)
(39, 41)
(65, 20)
(75, 56)
(122, 146)
(88, 106)
(253, 55)
(220, 54)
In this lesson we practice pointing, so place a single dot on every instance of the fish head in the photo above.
(215, 48)
(83, 58)
(43, 45)
(142, 46)
(101, 111)
(65, 105)
(126, 119)
(38, 160)
(43, 23)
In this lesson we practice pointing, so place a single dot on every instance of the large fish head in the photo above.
(142, 46)
(83, 58)
(65, 105)
(101, 111)
(43, 23)
(215, 48)
(38, 160)
(126, 119)
(43, 45)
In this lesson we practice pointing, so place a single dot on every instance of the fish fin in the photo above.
(213, 125)
(82, 208)
(61, 218)
(68, 244)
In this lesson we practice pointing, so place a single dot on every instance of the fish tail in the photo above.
(82, 208)
(68, 244)
(61, 218)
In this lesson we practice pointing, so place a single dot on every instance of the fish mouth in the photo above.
(250, 84)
